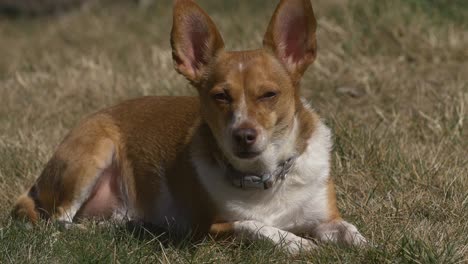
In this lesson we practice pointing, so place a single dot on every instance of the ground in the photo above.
(391, 80)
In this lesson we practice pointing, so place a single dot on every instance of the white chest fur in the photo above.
(296, 203)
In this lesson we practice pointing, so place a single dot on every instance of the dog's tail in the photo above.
(25, 209)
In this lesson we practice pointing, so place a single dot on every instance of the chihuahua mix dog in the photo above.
(247, 157)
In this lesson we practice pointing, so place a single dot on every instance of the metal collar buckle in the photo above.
(265, 181)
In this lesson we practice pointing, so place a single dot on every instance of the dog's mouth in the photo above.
(247, 154)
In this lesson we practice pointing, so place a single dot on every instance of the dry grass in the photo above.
(391, 80)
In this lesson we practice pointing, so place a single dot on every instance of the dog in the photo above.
(247, 157)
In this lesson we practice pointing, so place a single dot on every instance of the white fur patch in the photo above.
(241, 115)
(241, 66)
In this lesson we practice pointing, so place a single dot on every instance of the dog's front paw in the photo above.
(340, 232)
(283, 239)
(297, 245)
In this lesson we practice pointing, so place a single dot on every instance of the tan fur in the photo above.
(219, 230)
(25, 209)
(126, 154)
(334, 214)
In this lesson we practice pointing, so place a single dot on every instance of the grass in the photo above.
(391, 80)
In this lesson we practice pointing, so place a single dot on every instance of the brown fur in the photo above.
(221, 230)
(334, 214)
(130, 148)
(145, 149)
(25, 209)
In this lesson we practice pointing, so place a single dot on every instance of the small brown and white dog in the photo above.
(247, 157)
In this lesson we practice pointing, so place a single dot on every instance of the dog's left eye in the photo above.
(222, 97)
(268, 95)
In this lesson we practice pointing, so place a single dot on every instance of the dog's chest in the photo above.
(296, 203)
(292, 204)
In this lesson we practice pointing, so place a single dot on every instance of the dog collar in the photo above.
(265, 181)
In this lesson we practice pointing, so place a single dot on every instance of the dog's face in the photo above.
(248, 101)
(248, 98)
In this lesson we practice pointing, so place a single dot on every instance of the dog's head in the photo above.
(248, 98)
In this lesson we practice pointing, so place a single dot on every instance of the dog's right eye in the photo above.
(222, 97)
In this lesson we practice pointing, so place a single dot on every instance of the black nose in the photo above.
(245, 136)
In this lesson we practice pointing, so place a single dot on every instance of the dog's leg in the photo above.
(81, 177)
(256, 230)
(69, 180)
(339, 231)
(335, 229)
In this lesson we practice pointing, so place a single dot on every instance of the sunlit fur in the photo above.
(164, 160)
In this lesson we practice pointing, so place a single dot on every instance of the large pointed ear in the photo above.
(195, 40)
(291, 36)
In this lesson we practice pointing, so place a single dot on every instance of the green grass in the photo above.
(400, 157)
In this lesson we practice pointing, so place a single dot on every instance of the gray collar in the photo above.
(251, 181)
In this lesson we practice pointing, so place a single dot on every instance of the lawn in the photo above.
(391, 80)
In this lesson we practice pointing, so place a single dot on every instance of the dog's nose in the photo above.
(245, 136)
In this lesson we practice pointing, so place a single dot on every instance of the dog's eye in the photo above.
(222, 97)
(268, 95)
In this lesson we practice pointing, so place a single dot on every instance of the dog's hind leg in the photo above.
(72, 176)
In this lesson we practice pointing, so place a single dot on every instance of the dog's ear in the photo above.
(195, 40)
(291, 36)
